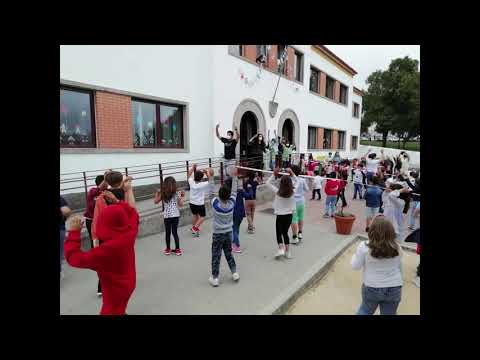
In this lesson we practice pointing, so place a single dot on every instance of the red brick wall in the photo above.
(272, 58)
(334, 139)
(113, 120)
(323, 83)
(319, 138)
(336, 91)
(290, 63)
(250, 52)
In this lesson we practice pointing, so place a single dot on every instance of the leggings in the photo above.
(282, 225)
(171, 225)
(341, 195)
(316, 191)
(88, 224)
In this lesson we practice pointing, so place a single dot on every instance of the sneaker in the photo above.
(416, 281)
(235, 276)
(236, 249)
(295, 241)
(300, 236)
(326, 216)
(99, 294)
(178, 252)
(196, 234)
(280, 252)
(167, 252)
(288, 254)
(193, 231)
(332, 216)
(212, 281)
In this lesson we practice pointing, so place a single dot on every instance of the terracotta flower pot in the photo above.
(344, 224)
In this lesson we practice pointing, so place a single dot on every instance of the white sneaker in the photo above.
(99, 294)
(300, 236)
(235, 276)
(295, 241)
(212, 281)
(416, 281)
(280, 252)
(288, 255)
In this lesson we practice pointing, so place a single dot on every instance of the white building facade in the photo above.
(122, 106)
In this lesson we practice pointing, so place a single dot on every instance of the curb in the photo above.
(283, 302)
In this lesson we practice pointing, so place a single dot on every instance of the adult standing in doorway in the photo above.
(230, 144)
(257, 149)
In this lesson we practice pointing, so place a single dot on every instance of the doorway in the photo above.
(248, 128)
(287, 131)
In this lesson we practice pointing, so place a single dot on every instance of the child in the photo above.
(312, 164)
(198, 189)
(358, 181)
(223, 207)
(238, 214)
(284, 205)
(373, 195)
(301, 187)
(251, 184)
(317, 185)
(395, 201)
(171, 214)
(380, 257)
(331, 189)
(342, 184)
(415, 186)
(329, 168)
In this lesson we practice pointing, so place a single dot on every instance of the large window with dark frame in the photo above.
(157, 125)
(280, 50)
(77, 125)
(312, 137)
(235, 50)
(298, 66)
(327, 139)
(343, 94)
(262, 50)
(354, 143)
(356, 110)
(314, 75)
(330, 86)
(341, 140)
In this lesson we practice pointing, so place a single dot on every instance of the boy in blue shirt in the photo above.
(373, 196)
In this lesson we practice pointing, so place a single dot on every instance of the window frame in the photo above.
(315, 137)
(91, 94)
(356, 114)
(296, 55)
(313, 68)
(344, 140)
(326, 87)
(285, 64)
(352, 148)
(157, 124)
(346, 94)
(331, 139)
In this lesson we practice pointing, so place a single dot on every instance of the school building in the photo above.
(130, 105)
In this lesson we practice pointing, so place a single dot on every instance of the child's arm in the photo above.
(270, 183)
(158, 197)
(181, 199)
(192, 169)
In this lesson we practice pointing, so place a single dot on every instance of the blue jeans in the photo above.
(330, 204)
(221, 242)
(387, 298)
(358, 189)
(411, 219)
(62, 239)
(369, 176)
(236, 230)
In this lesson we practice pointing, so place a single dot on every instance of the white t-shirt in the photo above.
(378, 273)
(317, 182)
(358, 176)
(372, 165)
(171, 208)
(281, 205)
(198, 191)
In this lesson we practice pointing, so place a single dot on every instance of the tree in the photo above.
(392, 100)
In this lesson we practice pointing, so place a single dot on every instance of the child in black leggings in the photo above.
(171, 214)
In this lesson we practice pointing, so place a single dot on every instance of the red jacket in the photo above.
(331, 187)
(114, 259)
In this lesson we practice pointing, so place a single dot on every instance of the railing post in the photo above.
(289, 159)
(86, 190)
(186, 162)
(210, 162)
(221, 172)
(160, 171)
(126, 171)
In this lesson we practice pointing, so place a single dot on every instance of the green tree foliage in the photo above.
(392, 100)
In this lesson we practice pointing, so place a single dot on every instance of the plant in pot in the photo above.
(344, 222)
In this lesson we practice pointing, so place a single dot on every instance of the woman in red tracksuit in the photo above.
(114, 258)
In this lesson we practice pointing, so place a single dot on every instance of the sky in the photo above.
(366, 59)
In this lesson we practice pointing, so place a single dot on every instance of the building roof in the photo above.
(358, 91)
(334, 58)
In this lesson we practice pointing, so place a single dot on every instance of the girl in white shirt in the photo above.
(284, 205)
(380, 259)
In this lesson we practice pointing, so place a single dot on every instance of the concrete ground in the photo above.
(179, 285)
(339, 292)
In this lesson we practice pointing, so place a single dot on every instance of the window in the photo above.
(298, 66)
(341, 140)
(312, 137)
(327, 139)
(77, 128)
(235, 50)
(262, 50)
(354, 143)
(157, 124)
(314, 74)
(343, 94)
(330, 87)
(356, 110)
(280, 50)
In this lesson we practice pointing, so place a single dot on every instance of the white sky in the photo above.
(366, 59)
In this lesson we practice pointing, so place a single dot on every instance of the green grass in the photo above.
(410, 145)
